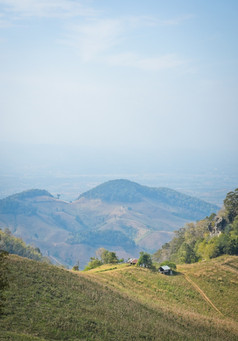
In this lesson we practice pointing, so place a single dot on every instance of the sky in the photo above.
(124, 75)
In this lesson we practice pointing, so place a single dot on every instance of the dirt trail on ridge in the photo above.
(202, 293)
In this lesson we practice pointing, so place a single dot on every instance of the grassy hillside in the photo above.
(120, 302)
(217, 277)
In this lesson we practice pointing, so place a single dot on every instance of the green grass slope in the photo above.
(217, 279)
(119, 302)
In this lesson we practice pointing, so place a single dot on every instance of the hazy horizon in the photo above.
(71, 171)
(146, 91)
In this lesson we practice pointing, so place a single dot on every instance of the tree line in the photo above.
(208, 238)
(17, 246)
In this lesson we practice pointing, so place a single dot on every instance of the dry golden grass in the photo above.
(117, 302)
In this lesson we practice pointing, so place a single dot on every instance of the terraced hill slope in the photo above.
(121, 302)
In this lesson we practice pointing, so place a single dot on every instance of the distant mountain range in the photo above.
(119, 215)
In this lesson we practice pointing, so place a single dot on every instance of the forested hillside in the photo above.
(208, 238)
(17, 246)
(128, 192)
(119, 215)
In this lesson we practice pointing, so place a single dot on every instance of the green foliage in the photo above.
(3, 277)
(184, 249)
(97, 238)
(94, 263)
(17, 246)
(145, 260)
(207, 248)
(231, 204)
(109, 257)
(234, 231)
(186, 254)
(205, 239)
(170, 264)
(75, 268)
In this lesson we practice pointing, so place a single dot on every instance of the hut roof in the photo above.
(165, 267)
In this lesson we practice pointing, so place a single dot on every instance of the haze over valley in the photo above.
(93, 91)
(118, 170)
(71, 170)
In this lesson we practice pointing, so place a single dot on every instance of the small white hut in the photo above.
(165, 270)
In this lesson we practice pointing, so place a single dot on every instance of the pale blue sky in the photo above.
(124, 74)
